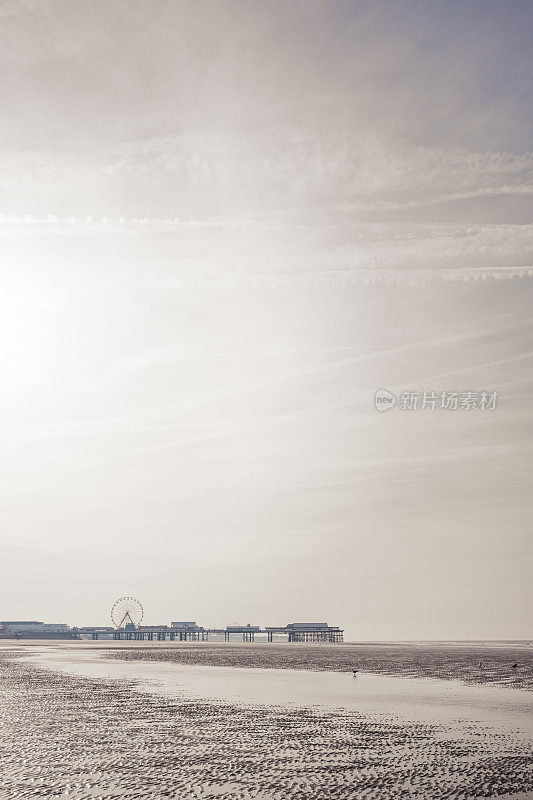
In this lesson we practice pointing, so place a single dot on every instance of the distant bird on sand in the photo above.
(480, 665)
(514, 666)
(354, 672)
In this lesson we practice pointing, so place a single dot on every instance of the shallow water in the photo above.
(417, 699)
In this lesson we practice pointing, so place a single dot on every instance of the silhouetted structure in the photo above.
(32, 629)
(308, 632)
(190, 631)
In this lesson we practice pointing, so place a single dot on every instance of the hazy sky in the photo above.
(223, 226)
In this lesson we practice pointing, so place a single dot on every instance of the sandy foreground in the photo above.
(69, 735)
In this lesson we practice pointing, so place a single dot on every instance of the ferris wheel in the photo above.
(127, 611)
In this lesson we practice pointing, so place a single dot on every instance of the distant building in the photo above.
(309, 632)
(308, 626)
(186, 626)
(148, 628)
(243, 628)
(28, 628)
(99, 628)
(55, 627)
(21, 626)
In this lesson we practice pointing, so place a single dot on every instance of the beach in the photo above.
(143, 724)
(470, 662)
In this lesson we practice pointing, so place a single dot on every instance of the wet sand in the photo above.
(69, 735)
(442, 661)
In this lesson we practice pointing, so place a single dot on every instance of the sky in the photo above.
(223, 227)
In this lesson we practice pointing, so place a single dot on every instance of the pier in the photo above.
(293, 632)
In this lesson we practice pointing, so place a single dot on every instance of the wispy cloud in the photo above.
(169, 253)
(273, 172)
